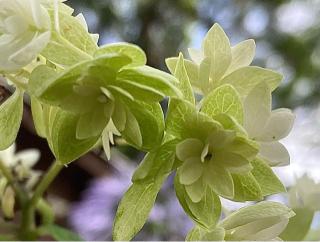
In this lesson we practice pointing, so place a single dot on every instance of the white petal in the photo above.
(36, 13)
(7, 156)
(242, 55)
(196, 55)
(28, 158)
(29, 52)
(257, 109)
(274, 153)
(278, 125)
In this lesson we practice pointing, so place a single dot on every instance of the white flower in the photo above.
(24, 32)
(267, 127)
(21, 163)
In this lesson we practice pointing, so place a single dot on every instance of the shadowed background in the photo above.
(287, 37)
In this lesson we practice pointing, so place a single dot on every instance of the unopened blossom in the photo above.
(24, 32)
(262, 221)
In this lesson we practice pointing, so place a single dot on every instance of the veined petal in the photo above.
(234, 163)
(278, 125)
(242, 55)
(190, 171)
(257, 109)
(195, 191)
(189, 148)
(196, 55)
(274, 153)
(31, 50)
(219, 179)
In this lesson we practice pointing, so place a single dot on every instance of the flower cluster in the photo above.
(20, 164)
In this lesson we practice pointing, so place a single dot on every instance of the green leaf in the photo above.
(191, 68)
(156, 163)
(38, 117)
(91, 124)
(71, 44)
(10, 118)
(246, 78)
(206, 212)
(151, 77)
(150, 122)
(242, 55)
(134, 208)
(298, 226)
(199, 234)
(184, 84)
(246, 188)
(268, 181)
(136, 54)
(65, 145)
(178, 114)
(223, 99)
(216, 46)
(59, 233)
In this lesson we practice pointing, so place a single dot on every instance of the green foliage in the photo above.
(10, 118)
(223, 100)
(59, 233)
(206, 212)
(299, 225)
(199, 234)
(65, 145)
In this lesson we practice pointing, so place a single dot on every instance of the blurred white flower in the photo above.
(24, 32)
(21, 164)
(306, 193)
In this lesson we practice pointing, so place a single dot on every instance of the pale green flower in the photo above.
(212, 160)
(267, 127)
(218, 63)
(24, 32)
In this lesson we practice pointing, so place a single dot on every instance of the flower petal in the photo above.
(278, 125)
(196, 55)
(195, 191)
(191, 170)
(219, 179)
(189, 148)
(257, 109)
(274, 153)
(28, 158)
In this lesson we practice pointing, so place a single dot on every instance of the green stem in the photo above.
(46, 212)
(28, 223)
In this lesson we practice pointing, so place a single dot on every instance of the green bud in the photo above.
(8, 202)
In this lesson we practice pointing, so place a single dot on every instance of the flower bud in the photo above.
(262, 221)
(7, 202)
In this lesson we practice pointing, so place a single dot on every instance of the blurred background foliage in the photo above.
(287, 36)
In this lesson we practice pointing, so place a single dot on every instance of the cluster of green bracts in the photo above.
(220, 136)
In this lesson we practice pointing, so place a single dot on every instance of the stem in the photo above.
(53, 171)
(28, 224)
